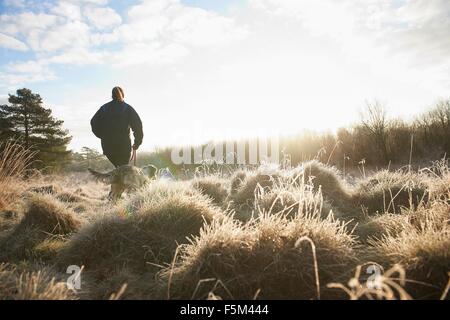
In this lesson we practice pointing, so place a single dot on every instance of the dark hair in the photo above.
(117, 94)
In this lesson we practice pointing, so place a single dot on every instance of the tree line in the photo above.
(376, 140)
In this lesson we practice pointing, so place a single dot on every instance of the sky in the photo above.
(197, 70)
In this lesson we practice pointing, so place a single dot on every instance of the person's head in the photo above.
(117, 94)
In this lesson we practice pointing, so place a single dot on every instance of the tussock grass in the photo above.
(128, 283)
(236, 180)
(439, 180)
(391, 198)
(144, 231)
(278, 190)
(387, 285)
(294, 233)
(14, 164)
(337, 194)
(290, 200)
(14, 161)
(45, 218)
(40, 285)
(45, 189)
(3, 204)
(435, 214)
(418, 239)
(387, 191)
(50, 216)
(8, 219)
(425, 255)
(324, 177)
(69, 197)
(262, 259)
(213, 187)
(245, 186)
(382, 225)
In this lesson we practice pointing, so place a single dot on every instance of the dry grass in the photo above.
(236, 180)
(390, 192)
(290, 200)
(425, 255)
(382, 225)
(324, 177)
(243, 192)
(213, 187)
(295, 233)
(438, 180)
(40, 285)
(45, 218)
(14, 161)
(387, 285)
(262, 259)
(14, 164)
(435, 214)
(142, 234)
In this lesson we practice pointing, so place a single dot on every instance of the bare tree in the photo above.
(440, 116)
(374, 120)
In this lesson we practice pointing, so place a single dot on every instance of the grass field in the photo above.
(299, 232)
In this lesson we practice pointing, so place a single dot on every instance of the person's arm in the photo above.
(96, 123)
(136, 126)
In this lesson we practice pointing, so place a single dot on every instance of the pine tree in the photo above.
(35, 127)
(5, 126)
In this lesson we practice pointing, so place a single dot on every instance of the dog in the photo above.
(126, 178)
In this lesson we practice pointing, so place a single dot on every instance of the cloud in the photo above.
(77, 56)
(72, 34)
(12, 43)
(102, 18)
(171, 21)
(30, 66)
(26, 23)
(161, 32)
(148, 54)
(67, 10)
(198, 27)
(14, 3)
(167, 21)
(424, 30)
(97, 2)
(156, 32)
(13, 80)
(3, 99)
(403, 38)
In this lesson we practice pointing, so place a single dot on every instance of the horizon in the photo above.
(199, 71)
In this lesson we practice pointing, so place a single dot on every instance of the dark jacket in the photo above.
(112, 124)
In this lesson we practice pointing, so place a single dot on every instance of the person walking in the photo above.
(112, 123)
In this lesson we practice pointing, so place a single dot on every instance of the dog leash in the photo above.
(133, 157)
